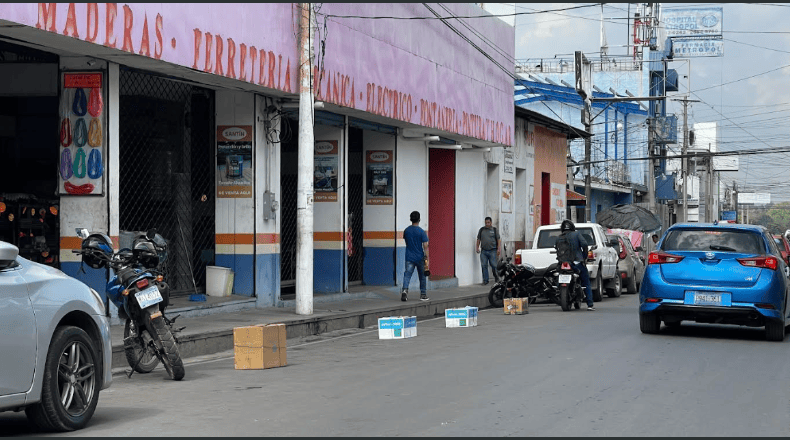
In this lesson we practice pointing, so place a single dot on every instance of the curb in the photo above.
(218, 341)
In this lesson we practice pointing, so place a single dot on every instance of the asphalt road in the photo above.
(549, 373)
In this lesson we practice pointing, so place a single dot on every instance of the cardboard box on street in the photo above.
(397, 327)
(259, 346)
(516, 306)
(465, 317)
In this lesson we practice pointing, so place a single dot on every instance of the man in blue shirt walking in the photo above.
(416, 256)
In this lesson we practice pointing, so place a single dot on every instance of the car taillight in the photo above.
(590, 255)
(662, 258)
(566, 266)
(142, 284)
(766, 262)
(623, 254)
(517, 258)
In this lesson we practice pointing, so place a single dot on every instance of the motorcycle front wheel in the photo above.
(564, 299)
(138, 347)
(170, 357)
(496, 296)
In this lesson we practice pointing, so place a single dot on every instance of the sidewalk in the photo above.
(209, 325)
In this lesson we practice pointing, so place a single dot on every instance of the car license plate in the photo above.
(148, 297)
(565, 278)
(707, 299)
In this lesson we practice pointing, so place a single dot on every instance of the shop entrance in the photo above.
(441, 212)
(167, 171)
(356, 164)
(28, 147)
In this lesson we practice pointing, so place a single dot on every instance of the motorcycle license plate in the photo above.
(565, 278)
(148, 297)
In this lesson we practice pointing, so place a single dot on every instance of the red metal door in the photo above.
(545, 199)
(441, 212)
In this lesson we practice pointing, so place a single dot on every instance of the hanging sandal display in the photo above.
(82, 189)
(95, 166)
(95, 103)
(79, 163)
(94, 133)
(65, 164)
(65, 132)
(80, 104)
(80, 133)
(65, 103)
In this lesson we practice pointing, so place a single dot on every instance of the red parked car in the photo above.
(784, 247)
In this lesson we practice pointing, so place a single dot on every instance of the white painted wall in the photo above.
(411, 184)
(470, 212)
(267, 169)
(235, 215)
(328, 216)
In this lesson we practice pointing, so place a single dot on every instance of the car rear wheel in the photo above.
(649, 323)
(617, 287)
(774, 331)
(631, 286)
(597, 287)
(70, 390)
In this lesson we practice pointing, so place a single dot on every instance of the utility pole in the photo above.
(735, 199)
(304, 189)
(684, 160)
(651, 179)
(587, 158)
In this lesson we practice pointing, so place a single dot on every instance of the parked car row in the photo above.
(717, 273)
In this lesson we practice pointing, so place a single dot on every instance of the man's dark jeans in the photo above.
(488, 258)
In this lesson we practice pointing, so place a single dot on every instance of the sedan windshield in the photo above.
(744, 242)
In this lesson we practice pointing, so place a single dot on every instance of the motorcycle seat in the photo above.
(541, 272)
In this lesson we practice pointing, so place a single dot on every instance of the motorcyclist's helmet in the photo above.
(145, 252)
(567, 225)
(96, 250)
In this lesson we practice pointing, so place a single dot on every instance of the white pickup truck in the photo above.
(601, 258)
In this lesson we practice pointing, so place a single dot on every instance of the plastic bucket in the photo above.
(219, 281)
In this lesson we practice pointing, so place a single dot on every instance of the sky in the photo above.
(751, 112)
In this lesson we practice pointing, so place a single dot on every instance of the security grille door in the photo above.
(167, 171)
(289, 149)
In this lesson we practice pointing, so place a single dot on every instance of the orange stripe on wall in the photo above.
(234, 239)
(70, 242)
(380, 235)
(328, 236)
(267, 238)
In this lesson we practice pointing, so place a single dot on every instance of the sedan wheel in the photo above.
(774, 331)
(70, 390)
(649, 323)
(617, 287)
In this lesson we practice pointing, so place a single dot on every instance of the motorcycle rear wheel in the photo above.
(564, 299)
(137, 347)
(496, 296)
(170, 357)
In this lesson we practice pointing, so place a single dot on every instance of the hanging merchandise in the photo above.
(65, 132)
(79, 164)
(65, 164)
(80, 105)
(95, 103)
(94, 133)
(80, 133)
(10, 217)
(2, 207)
(94, 164)
(53, 210)
(78, 190)
(65, 102)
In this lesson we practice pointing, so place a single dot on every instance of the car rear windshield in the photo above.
(743, 242)
(548, 237)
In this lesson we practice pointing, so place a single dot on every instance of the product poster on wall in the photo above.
(234, 161)
(82, 134)
(325, 172)
(507, 196)
(379, 178)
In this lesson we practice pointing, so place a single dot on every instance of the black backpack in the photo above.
(564, 250)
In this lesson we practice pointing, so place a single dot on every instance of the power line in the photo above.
(466, 16)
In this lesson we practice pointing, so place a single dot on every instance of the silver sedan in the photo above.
(55, 350)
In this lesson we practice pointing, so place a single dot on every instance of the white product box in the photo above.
(465, 317)
(397, 327)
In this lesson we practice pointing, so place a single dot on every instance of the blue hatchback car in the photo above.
(716, 273)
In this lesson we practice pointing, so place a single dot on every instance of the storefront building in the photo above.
(184, 122)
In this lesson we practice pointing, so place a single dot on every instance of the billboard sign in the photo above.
(754, 198)
(728, 215)
(692, 22)
(697, 47)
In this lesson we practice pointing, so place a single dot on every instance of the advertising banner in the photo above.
(83, 134)
(691, 22)
(325, 172)
(234, 161)
(697, 47)
(378, 178)
(507, 196)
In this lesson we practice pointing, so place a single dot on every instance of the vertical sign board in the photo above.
(325, 171)
(509, 167)
(83, 134)
(234, 161)
(507, 196)
(378, 178)
(558, 201)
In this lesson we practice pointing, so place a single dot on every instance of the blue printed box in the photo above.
(465, 317)
(397, 327)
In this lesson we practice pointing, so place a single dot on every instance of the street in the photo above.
(548, 373)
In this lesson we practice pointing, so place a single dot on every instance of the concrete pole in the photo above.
(587, 158)
(685, 162)
(304, 189)
(651, 177)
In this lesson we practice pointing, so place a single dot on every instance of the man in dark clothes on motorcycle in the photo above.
(579, 247)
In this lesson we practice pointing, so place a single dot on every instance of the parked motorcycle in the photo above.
(569, 288)
(521, 281)
(138, 289)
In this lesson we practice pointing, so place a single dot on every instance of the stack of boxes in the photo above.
(259, 346)
(397, 327)
(465, 317)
